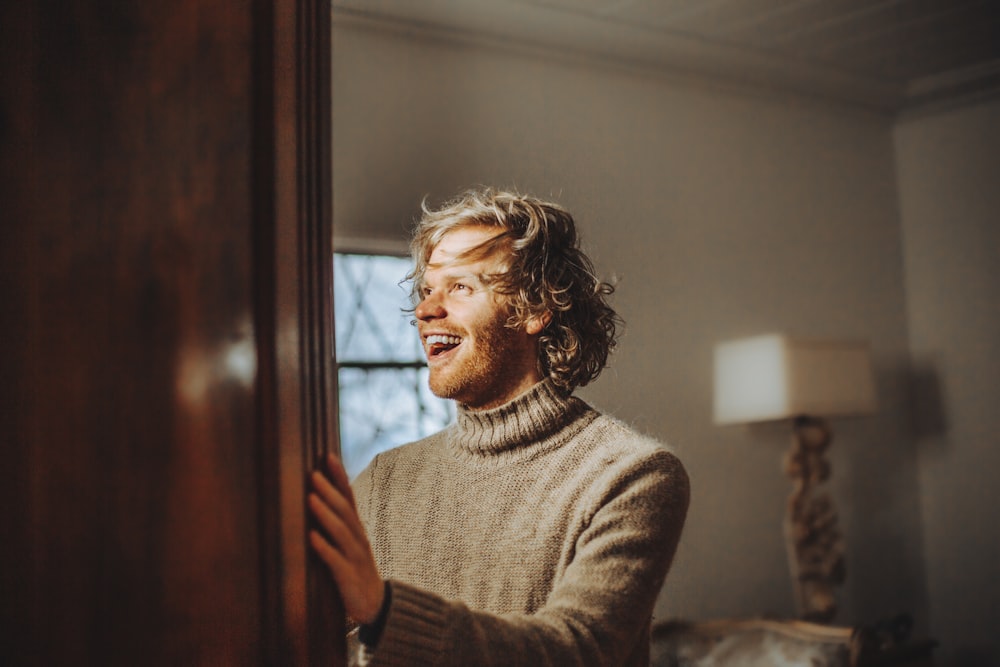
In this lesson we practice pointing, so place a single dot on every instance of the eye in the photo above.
(460, 287)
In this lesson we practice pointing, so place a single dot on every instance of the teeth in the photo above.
(438, 339)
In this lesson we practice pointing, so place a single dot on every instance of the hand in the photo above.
(344, 547)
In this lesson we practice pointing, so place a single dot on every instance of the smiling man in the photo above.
(534, 530)
(474, 357)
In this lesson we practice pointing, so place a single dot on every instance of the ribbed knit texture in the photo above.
(537, 533)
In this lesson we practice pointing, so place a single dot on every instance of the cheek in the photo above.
(487, 313)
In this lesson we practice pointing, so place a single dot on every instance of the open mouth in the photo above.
(438, 344)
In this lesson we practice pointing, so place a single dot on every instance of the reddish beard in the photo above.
(489, 366)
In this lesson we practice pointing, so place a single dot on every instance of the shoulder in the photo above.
(622, 460)
(621, 447)
(635, 463)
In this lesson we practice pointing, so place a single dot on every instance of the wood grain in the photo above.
(156, 425)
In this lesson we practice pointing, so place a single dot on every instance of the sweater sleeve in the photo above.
(599, 610)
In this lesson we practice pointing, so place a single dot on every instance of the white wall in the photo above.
(949, 186)
(721, 215)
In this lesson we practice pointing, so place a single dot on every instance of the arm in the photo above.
(600, 607)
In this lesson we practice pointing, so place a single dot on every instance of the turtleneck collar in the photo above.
(517, 428)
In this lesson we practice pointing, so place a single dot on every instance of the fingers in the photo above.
(361, 590)
(339, 476)
(333, 524)
(328, 554)
(339, 501)
(333, 505)
(342, 543)
(336, 478)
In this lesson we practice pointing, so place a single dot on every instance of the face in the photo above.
(474, 358)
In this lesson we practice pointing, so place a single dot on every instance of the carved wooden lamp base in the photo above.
(815, 546)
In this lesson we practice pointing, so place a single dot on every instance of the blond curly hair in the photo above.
(545, 273)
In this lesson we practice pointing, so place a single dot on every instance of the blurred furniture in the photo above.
(775, 377)
(786, 643)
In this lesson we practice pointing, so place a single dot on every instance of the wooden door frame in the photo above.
(259, 120)
(302, 615)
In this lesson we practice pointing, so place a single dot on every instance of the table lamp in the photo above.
(777, 377)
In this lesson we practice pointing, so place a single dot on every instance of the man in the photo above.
(534, 530)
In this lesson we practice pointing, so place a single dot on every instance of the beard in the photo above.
(489, 367)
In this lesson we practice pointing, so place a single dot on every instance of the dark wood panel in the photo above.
(300, 354)
(156, 426)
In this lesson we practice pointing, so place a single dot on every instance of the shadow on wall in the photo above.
(927, 407)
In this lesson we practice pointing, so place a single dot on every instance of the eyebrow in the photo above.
(451, 278)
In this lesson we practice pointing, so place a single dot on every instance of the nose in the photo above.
(430, 307)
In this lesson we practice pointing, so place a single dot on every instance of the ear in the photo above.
(537, 324)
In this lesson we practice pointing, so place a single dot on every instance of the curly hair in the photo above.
(544, 273)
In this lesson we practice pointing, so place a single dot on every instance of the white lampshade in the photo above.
(777, 377)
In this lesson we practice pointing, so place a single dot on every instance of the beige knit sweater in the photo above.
(537, 533)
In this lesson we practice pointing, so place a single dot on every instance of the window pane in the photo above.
(383, 407)
(369, 300)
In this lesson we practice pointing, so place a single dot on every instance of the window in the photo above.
(384, 398)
